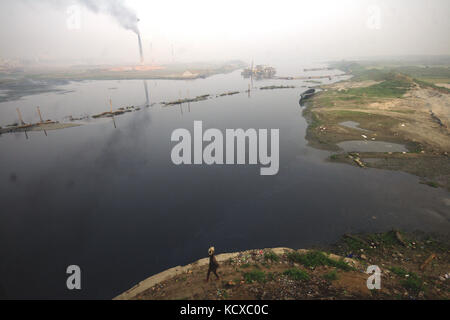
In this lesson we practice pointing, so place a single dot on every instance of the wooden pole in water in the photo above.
(189, 97)
(20, 117)
(40, 116)
(110, 104)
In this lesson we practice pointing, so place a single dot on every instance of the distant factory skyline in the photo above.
(80, 31)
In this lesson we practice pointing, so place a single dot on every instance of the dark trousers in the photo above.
(209, 271)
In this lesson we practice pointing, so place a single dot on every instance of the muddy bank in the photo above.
(413, 266)
(396, 112)
(46, 126)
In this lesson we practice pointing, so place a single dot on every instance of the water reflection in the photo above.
(147, 101)
(371, 146)
(113, 202)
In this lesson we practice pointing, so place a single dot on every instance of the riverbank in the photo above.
(390, 108)
(78, 121)
(413, 266)
(44, 126)
(37, 80)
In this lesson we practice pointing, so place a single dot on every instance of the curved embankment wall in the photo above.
(170, 273)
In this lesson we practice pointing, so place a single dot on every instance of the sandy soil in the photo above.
(419, 125)
(444, 85)
(412, 114)
(349, 84)
(420, 120)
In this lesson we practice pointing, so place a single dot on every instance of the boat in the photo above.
(306, 95)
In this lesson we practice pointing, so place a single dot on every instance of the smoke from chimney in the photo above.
(123, 15)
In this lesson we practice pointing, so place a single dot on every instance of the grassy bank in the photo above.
(413, 266)
(390, 107)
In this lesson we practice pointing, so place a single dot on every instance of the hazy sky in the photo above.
(65, 30)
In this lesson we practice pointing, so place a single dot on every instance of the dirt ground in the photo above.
(407, 272)
(420, 119)
(444, 85)
(349, 84)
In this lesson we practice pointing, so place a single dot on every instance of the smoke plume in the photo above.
(123, 15)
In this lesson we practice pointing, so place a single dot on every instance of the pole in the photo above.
(40, 116)
(20, 117)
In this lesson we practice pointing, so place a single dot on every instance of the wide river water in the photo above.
(111, 201)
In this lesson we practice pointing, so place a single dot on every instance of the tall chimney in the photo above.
(140, 48)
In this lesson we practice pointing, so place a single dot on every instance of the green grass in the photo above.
(316, 258)
(399, 271)
(346, 97)
(387, 238)
(413, 283)
(296, 274)
(354, 244)
(425, 73)
(360, 72)
(334, 157)
(345, 114)
(435, 80)
(245, 265)
(271, 256)
(323, 99)
(330, 276)
(393, 88)
(271, 276)
(378, 70)
(431, 184)
(431, 85)
(313, 119)
(255, 275)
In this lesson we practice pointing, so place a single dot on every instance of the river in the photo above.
(109, 199)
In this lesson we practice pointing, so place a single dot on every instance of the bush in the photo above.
(271, 256)
(316, 258)
(331, 276)
(413, 283)
(255, 275)
(296, 274)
